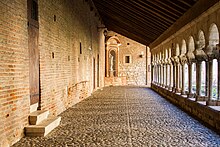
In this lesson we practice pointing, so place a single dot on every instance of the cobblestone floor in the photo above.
(126, 117)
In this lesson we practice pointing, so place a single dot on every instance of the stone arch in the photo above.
(200, 47)
(169, 52)
(160, 55)
(114, 41)
(191, 44)
(191, 49)
(212, 51)
(166, 54)
(183, 47)
(112, 55)
(213, 35)
(201, 39)
(177, 53)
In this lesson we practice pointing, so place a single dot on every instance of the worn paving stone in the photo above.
(126, 117)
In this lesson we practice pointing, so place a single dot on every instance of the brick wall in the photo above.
(14, 71)
(65, 79)
(68, 77)
(135, 71)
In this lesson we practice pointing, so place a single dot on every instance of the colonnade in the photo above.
(178, 77)
(192, 70)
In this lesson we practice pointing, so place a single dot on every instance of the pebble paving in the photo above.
(125, 117)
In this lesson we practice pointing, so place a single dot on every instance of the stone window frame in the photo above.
(130, 59)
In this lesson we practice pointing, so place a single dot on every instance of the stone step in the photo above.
(38, 116)
(43, 128)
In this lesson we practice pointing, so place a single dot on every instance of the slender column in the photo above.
(198, 79)
(210, 80)
(218, 80)
(161, 75)
(161, 69)
(167, 76)
(190, 79)
(154, 78)
(164, 75)
(158, 74)
(155, 73)
(180, 77)
(183, 80)
(171, 76)
(177, 78)
(174, 80)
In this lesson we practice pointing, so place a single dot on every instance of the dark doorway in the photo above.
(33, 34)
(98, 71)
(93, 73)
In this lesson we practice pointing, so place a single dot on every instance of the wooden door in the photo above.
(33, 34)
(98, 71)
(93, 73)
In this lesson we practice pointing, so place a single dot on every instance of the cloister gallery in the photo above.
(103, 73)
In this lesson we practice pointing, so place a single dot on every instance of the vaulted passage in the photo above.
(126, 116)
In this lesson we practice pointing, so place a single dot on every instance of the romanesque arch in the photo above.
(112, 55)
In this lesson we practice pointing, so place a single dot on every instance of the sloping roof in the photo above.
(142, 20)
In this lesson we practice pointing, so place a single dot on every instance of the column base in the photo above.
(213, 103)
(178, 90)
(174, 89)
(169, 88)
(190, 95)
(183, 92)
(201, 98)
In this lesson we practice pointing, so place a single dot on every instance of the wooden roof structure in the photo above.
(144, 20)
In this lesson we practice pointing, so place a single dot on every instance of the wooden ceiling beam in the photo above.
(144, 14)
(196, 10)
(124, 23)
(132, 29)
(143, 20)
(105, 10)
(176, 5)
(185, 3)
(147, 10)
(130, 35)
(162, 4)
(142, 28)
(157, 9)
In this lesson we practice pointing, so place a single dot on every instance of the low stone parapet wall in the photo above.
(209, 115)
